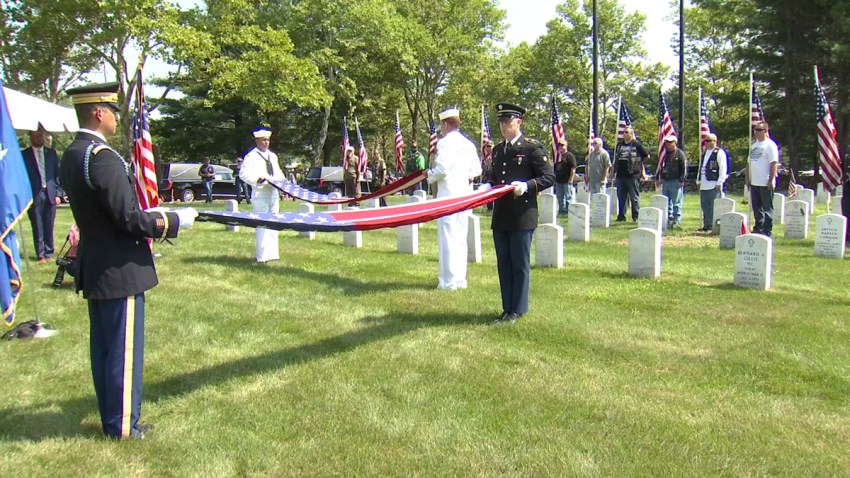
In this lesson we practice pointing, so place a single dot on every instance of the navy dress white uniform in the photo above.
(455, 165)
(523, 163)
(259, 165)
(114, 257)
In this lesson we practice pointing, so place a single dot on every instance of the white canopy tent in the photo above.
(28, 111)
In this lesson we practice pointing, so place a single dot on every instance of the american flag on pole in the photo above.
(756, 112)
(399, 146)
(830, 161)
(432, 141)
(624, 119)
(557, 131)
(665, 128)
(486, 153)
(362, 157)
(146, 185)
(704, 125)
(345, 144)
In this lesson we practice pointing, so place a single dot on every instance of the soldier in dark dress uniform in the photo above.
(521, 163)
(114, 257)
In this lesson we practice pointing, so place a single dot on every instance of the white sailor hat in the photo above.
(262, 133)
(671, 138)
(449, 113)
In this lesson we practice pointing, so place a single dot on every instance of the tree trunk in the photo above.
(319, 153)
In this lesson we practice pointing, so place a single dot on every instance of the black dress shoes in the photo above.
(506, 317)
(500, 319)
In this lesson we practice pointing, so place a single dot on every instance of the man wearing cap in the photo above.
(42, 163)
(242, 189)
(258, 167)
(522, 164)
(565, 171)
(455, 165)
(351, 174)
(629, 169)
(710, 177)
(671, 175)
(761, 178)
(114, 257)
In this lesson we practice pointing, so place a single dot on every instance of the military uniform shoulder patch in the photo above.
(534, 142)
(101, 147)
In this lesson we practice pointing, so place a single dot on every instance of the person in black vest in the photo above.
(629, 169)
(671, 178)
(242, 188)
(521, 163)
(42, 163)
(711, 175)
(115, 260)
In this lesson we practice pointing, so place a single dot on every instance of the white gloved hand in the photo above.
(520, 187)
(158, 209)
(186, 216)
(483, 187)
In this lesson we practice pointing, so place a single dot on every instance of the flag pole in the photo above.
(699, 122)
(752, 85)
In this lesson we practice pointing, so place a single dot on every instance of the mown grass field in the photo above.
(337, 361)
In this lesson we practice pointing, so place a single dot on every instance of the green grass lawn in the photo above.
(339, 361)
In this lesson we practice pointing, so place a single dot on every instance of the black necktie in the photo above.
(269, 168)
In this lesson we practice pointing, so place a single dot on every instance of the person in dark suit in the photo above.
(114, 257)
(42, 164)
(521, 163)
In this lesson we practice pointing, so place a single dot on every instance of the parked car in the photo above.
(181, 182)
(328, 179)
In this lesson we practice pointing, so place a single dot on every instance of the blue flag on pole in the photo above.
(15, 199)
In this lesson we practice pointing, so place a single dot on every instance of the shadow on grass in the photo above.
(348, 285)
(51, 420)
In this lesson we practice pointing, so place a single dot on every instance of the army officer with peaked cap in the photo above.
(114, 257)
(521, 163)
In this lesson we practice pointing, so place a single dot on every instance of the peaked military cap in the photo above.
(101, 93)
(507, 110)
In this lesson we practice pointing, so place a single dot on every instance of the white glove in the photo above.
(520, 187)
(483, 187)
(158, 209)
(186, 216)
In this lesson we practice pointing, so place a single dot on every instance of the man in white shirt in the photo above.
(710, 177)
(455, 165)
(761, 178)
(258, 167)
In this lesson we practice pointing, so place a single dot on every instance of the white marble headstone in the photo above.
(651, 218)
(730, 228)
(550, 246)
(796, 219)
(662, 202)
(308, 208)
(808, 196)
(645, 252)
(407, 239)
(830, 234)
(721, 207)
(549, 190)
(420, 194)
(839, 191)
(372, 203)
(615, 204)
(548, 207)
(230, 205)
(778, 208)
(473, 239)
(352, 238)
(579, 222)
(822, 195)
(600, 206)
(582, 194)
(835, 204)
(753, 261)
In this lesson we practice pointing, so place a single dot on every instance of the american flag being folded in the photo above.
(298, 192)
(359, 219)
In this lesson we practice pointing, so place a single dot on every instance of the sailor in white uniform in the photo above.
(258, 166)
(455, 165)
